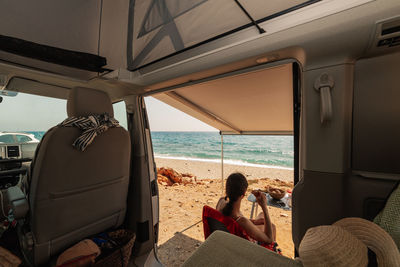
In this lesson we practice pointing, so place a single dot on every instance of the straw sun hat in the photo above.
(345, 244)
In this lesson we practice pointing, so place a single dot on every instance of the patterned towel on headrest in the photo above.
(92, 126)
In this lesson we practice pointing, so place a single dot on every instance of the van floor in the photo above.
(181, 230)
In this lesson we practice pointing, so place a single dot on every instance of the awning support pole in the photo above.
(222, 164)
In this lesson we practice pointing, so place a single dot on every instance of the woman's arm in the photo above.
(267, 223)
(258, 221)
(252, 230)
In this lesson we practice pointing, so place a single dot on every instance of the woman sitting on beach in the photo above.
(261, 229)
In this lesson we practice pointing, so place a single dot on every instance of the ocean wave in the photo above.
(226, 161)
(260, 151)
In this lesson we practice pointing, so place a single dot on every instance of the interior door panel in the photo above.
(373, 172)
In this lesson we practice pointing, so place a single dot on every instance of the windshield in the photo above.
(31, 113)
(26, 113)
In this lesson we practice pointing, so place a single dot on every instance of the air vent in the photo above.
(389, 42)
(12, 151)
(390, 27)
(387, 35)
(392, 31)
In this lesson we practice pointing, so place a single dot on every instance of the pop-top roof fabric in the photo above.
(164, 27)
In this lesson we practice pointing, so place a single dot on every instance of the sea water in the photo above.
(245, 150)
(248, 150)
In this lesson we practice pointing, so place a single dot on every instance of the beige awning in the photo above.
(256, 102)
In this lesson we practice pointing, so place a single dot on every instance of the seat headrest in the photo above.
(85, 101)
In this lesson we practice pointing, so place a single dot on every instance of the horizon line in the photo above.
(150, 130)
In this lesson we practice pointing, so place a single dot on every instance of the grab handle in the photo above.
(324, 84)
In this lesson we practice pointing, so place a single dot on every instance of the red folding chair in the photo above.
(214, 220)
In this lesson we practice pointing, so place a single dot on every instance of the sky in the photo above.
(26, 112)
(163, 117)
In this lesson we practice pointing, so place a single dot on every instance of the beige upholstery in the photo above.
(84, 102)
(75, 194)
(224, 249)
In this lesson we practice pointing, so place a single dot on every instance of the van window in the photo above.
(8, 138)
(23, 138)
(120, 113)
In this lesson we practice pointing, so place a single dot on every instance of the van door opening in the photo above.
(260, 106)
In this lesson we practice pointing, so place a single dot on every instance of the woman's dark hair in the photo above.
(236, 186)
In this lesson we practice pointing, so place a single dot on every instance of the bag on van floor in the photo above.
(105, 249)
(7, 259)
(83, 253)
(116, 248)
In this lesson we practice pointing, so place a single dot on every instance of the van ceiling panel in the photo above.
(180, 25)
(255, 102)
(71, 25)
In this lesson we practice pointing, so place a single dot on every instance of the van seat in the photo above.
(74, 194)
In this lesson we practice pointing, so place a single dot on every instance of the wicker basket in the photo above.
(124, 240)
(276, 193)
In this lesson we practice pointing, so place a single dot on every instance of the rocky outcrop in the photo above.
(169, 177)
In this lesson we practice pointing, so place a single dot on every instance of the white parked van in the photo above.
(27, 142)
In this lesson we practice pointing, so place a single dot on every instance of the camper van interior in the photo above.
(324, 71)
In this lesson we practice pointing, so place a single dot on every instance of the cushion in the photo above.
(223, 249)
(389, 217)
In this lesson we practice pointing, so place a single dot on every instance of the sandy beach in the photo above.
(181, 230)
